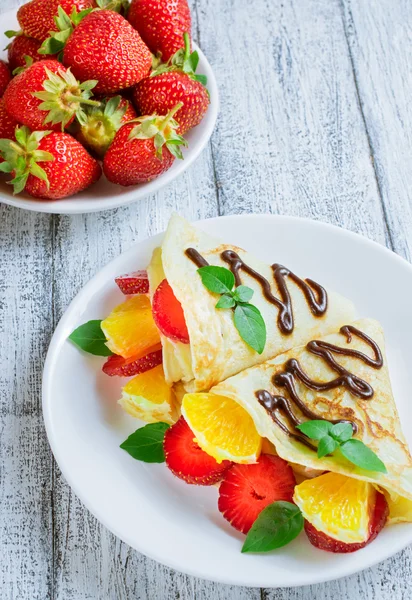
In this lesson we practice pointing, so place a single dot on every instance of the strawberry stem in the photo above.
(71, 98)
(186, 40)
(170, 116)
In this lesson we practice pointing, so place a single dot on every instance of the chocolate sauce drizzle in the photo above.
(292, 369)
(315, 294)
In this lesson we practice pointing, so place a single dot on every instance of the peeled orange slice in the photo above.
(148, 397)
(337, 505)
(222, 428)
(130, 329)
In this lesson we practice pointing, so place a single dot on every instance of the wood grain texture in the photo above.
(315, 121)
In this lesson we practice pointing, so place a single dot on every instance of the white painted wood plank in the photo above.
(380, 39)
(290, 137)
(25, 460)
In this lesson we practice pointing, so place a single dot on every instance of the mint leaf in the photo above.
(225, 301)
(218, 280)
(316, 429)
(341, 432)
(90, 338)
(277, 525)
(243, 293)
(146, 443)
(362, 456)
(326, 446)
(251, 326)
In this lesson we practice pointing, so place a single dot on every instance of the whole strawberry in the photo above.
(101, 45)
(161, 23)
(19, 48)
(172, 83)
(36, 18)
(5, 77)
(100, 125)
(143, 150)
(48, 165)
(47, 96)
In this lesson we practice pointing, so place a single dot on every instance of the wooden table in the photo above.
(316, 121)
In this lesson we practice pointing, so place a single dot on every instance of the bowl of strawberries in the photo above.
(102, 102)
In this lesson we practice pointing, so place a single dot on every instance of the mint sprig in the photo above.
(247, 318)
(340, 436)
(277, 525)
(90, 338)
(146, 443)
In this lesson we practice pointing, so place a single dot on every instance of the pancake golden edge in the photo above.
(216, 350)
(377, 419)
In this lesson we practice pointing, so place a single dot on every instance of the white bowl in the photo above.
(144, 504)
(105, 195)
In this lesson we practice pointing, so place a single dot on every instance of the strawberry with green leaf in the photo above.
(175, 82)
(99, 124)
(161, 23)
(47, 165)
(46, 95)
(37, 18)
(5, 77)
(22, 47)
(143, 150)
(100, 45)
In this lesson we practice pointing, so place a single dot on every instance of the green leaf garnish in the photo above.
(326, 446)
(146, 443)
(251, 326)
(225, 301)
(277, 525)
(90, 338)
(247, 318)
(217, 279)
(316, 429)
(341, 432)
(362, 456)
(332, 437)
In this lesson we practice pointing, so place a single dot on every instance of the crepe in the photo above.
(377, 420)
(216, 350)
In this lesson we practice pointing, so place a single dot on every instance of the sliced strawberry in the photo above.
(128, 367)
(168, 314)
(377, 523)
(187, 460)
(135, 283)
(247, 489)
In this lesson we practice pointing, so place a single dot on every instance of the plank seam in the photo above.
(388, 232)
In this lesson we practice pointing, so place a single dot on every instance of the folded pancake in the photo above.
(294, 310)
(343, 376)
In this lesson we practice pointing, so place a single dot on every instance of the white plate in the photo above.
(105, 195)
(161, 516)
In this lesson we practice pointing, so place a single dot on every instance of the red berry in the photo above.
(36, 18)
(23, 46)
(7, 123)
(168, 314)
(160, 93)
(5, 77)
(104, 46)
(377, 523)
(247, 489)
(135, 283)
(161, 23)
(129, 367)
(24, 106)
(129, 162)
(187, 460)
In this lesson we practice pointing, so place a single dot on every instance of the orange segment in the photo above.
(130, 329)
(148, 397)
(337, 505)
(222, 427)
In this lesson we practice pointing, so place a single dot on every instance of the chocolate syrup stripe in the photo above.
(293, 370)
(315, 294)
